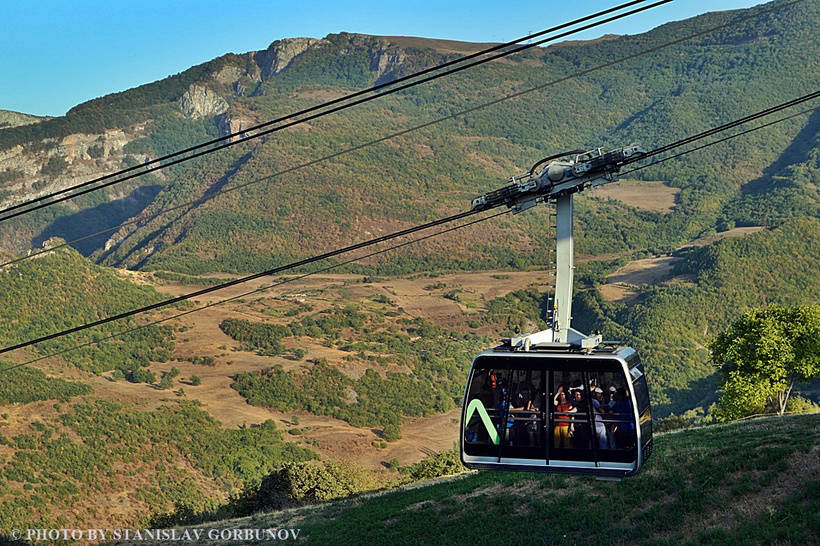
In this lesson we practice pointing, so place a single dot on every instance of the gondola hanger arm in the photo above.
(557, 182)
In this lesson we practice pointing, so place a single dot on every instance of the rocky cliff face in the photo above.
(281, 52)
(59, 163)
(384, 56)
(199, 102)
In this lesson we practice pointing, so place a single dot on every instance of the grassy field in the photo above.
(752, 482)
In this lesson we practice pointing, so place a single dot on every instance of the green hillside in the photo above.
(659, 97)
(766, 178)
(60, 290)
(752, 482)
(349, 356)
(146, 463)
(672, 322)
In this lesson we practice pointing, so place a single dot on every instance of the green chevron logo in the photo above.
(475, 405)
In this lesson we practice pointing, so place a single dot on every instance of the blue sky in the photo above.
(55, 54)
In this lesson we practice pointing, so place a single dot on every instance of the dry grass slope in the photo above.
(752, 482)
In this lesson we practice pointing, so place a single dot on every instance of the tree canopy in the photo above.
(763, 354)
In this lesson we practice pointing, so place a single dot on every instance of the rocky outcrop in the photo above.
(232, 123)
(229, 74)
(82, 157)
(200, 102)
(280, 54)
(385, 59)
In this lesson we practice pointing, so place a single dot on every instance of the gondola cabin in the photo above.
(558, 400)
(557, 410)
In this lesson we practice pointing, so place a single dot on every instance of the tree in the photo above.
(763, 354)
(166, 382)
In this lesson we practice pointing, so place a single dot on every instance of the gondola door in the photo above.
(524, 436)
(571, 417)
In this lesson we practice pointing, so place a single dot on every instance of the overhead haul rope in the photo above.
(159, 161)
(257, 290)
(371, 242)
(149, 217)
(731, 124)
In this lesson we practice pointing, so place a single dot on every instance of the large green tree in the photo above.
(763, 354)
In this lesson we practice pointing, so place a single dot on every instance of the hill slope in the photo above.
(671, 319)
(753, 482)
(9, 118)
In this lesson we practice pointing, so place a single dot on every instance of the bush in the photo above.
(445, 463)
(392, 432)
(96, 151)
(141, 375)
(195, 380)
(166, 382)
(55, 166)
(299, 353)
(308, 482)
(800, 404)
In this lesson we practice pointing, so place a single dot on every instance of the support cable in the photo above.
(356, 246)
(240, 280)
(753, 129)
(720, 128)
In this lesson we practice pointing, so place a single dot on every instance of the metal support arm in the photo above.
(564, 267)
(559, 181)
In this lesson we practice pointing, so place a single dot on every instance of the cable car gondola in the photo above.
(558, 400)
(555, 409)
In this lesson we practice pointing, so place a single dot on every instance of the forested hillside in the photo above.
(671, 93)
(116, 465)
(672, 322)
(61, 289)
(767, 179)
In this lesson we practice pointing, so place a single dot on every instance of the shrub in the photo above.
(96, 151)
(141, 375)
(55, 166)
(443, 464)
(392, 432)
(309, 482)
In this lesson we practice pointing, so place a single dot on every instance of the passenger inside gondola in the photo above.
(563, 425)
(580, 430)
(525, 407)
(600, 410)
(624, 433)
